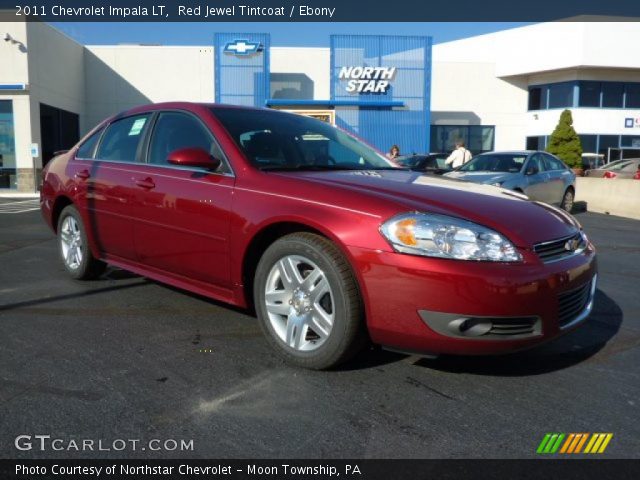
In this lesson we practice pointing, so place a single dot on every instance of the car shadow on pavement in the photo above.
(573, 348)
(69, 296)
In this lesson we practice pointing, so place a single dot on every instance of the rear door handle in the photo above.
(146, 183)
(83, 174)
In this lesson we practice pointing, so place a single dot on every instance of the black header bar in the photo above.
(314, 10)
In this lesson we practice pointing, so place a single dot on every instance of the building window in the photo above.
(630, 141)
(632, 95)
(7, 146)
(536, 143)
(589, 143)
(589, 95)
(561, 95)
(536, 99)
(477, 138)
(612, 95)
(607, 141)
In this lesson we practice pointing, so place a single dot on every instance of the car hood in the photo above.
(388, 192)
(482, 177)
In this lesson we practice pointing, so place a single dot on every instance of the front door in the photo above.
(183, 213)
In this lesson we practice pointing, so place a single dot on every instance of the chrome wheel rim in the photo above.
(299, 303)
(71, 242)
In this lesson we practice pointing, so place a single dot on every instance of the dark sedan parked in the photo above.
(332, 244)
(430, 163)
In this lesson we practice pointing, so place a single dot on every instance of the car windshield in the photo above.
(274, 140)
(411, 161)
(495, 162)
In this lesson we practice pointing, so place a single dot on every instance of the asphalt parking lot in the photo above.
(124, 357)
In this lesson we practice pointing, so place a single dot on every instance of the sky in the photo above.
(282, 34)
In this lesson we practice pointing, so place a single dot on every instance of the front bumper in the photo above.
(420, 304)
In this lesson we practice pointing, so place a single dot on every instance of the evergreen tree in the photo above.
(565, 143)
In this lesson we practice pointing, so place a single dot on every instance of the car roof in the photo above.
(185, 106)
(514, 152)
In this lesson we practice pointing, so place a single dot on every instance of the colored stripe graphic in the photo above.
(550, 443)
(598, 442)
(573, 443)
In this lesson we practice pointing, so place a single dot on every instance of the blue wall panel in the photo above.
(407, 127)
(242, 79)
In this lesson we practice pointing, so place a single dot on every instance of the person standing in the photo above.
(459, 156)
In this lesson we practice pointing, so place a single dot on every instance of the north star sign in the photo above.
(367, 79)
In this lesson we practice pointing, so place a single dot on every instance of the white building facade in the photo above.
(499, 91)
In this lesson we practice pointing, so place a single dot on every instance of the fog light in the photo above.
(470, 327)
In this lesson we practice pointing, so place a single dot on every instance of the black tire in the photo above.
(568, 200)
(89, 267)
(348, 333)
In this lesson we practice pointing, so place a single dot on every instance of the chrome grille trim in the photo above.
(555, 250)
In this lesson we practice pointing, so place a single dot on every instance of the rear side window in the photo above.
(553, 163)
(87, 148)
(120, 141)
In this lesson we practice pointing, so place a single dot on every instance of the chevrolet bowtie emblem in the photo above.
(242, 47)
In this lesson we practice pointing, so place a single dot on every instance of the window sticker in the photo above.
(137, 126)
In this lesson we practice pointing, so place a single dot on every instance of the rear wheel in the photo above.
(74, 248)
(308, 302)
(567, 200)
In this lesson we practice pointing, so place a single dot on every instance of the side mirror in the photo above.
(193, 157)
(532, 170)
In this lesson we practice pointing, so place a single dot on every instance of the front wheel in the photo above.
(567, 200)
(74, 247)
(308, 302)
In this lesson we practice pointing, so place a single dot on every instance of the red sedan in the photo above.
(331, 244)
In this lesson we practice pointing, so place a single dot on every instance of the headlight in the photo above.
(441, 236)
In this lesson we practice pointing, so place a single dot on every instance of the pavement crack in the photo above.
(417, 383)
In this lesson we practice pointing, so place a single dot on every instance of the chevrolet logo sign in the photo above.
(242, 47)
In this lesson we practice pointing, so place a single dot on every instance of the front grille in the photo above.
(557, 249)
(572, 303)
(505, 327)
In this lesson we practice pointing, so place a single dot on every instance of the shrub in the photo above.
(565, 143)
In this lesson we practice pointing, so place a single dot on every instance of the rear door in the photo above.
(559, 178)
(107, 186)
(183, 213)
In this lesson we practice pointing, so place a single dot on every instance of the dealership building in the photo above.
(498, 91)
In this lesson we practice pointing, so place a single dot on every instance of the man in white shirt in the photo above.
(459, 156)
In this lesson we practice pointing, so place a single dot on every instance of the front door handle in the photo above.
(83, 174)
(146, 183)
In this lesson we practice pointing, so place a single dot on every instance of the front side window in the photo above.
(120, 141)
(537, 161)
(176, 130)
(282, 141)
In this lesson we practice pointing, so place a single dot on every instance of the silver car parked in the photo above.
(539, 175)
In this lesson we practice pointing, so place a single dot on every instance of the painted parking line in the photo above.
(20, 206)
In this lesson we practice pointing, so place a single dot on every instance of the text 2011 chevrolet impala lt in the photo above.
(332, 244)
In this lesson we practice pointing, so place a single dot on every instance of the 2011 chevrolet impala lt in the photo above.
(332, 244)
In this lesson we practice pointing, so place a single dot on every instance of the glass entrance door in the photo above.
(7, 146)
